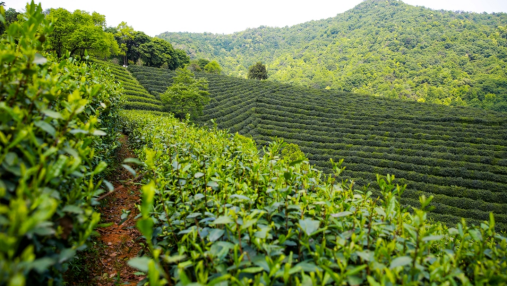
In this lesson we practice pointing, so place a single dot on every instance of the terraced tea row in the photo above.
(136, 96)
(457, 154)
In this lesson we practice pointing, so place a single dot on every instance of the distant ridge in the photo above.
(383, 48)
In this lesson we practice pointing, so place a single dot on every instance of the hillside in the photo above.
(135, 95)
(383, 48)
(457, 154)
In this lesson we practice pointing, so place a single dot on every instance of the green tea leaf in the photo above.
(240, 197)
(52, 114)
(252, 270)
(128, 168)
(309, 226)
(212, 184)
(400, 261)
(46, 127)
(341, 214)
(139, 263)
(72, 209)
(223, 220)
(145, 226)
(215, 234)
(433, 237)
(308, 266)
(198, 197)
(174, 258)
(39, 59)
(194, 215)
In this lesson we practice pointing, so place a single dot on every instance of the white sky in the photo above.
(227, 16)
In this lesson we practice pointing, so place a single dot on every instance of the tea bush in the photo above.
(216, 211)
(58, 133)
(137, 97)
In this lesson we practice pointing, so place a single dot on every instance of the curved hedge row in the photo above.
(454, 153)
(136, 96)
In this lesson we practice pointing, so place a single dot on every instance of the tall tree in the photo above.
(187, 95)
(80, 31)
(133, 53)
(202, 62)
(213, 67)
(124, 36)
(156, 53)
(258, 71)
(179, 59)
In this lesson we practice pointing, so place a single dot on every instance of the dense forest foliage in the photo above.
(457, 154)
(384, 48)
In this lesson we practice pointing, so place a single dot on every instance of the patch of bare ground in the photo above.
(105, 262)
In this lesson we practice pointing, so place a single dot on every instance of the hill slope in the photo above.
(136, 97)
(457, 154)
(384, 48)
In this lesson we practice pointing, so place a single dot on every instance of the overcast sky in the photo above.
(227, 16)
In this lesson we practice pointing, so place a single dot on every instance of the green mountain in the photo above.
(383, 48)
(457, 154)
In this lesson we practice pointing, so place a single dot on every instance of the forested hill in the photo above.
(385, 48)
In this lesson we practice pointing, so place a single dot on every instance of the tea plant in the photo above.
(58, 131)
(215, 211)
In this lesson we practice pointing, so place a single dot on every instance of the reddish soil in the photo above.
(105, 263)
(119, 240)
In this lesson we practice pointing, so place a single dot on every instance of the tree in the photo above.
(124, 36)
(202, 63)
(80, 31)
(258, 71)
(194, 67)
(291, 152)
(213, 67)
(156, 53)
(180, 59)
(133, 52)
(186, 95)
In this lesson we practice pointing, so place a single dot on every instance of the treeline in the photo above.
(383, 48)
(79, 33)
(227, 212)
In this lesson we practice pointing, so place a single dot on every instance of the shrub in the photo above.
(58, 125)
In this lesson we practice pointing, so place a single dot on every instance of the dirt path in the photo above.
(116, 244)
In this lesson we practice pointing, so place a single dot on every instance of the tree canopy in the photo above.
(258, 71)
(213, 67)
(202, 62)
(187, 95)
(80, 31)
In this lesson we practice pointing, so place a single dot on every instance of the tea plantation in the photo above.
(136, 96)
(459, 155)
(221, 209)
